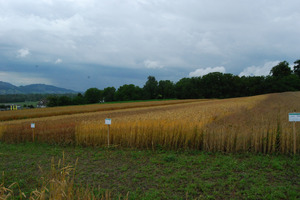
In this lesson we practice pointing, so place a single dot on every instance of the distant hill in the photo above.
(7, 88)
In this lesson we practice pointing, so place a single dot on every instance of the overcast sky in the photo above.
(78, 44)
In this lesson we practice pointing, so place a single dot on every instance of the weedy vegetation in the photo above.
(43, 171)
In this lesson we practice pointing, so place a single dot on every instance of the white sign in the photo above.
(294, 117)
(108, 121)
(32, 125)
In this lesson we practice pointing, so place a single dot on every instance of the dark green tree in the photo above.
(297, 67)
(79, 99)
(182, 88)
(252, 85)
(128, 92)
(230, 85)
(151, 88)
(109, 93)
(93, 95)
(283, 84)
(166, 89)
(281, 70)
(213, 85)
(52, 101)
(189, 88)
(64, 101)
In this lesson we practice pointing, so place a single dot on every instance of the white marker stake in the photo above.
(108, 122)
(32, 127)
(294, 117)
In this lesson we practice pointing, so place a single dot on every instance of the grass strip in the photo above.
(157, 174)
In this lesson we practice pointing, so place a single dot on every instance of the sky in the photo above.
(79, 44)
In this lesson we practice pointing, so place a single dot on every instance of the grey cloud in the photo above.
(179, 35)
(23, 53)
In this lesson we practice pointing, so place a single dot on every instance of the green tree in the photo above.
(182, 88)
(151, 88)
(109, 93)
(189, 88)
(52, 101)
(213, 85)
(79, 99)
(166, 89)
(128, 92)
(297, 67)
(252, 85)
(230, 85)
(281, 70)
(93, 95)
(64, 101)
(283, 84)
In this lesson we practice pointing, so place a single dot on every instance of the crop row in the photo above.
(69, 110)
(254, 124)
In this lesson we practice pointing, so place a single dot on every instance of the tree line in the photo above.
(213, 85)
(13, 98)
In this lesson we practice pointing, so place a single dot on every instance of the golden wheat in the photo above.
(69, 110)
(255, 124)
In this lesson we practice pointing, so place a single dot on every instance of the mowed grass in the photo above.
(159, 174)
(34, 103)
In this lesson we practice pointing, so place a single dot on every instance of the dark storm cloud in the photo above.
(123, 41)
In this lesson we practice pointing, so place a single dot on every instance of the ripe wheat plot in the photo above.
(253, 124)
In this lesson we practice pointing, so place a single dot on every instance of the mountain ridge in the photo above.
(8, 88)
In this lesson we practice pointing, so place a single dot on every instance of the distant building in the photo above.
(42, 103)
(3, 109)
(10, 107)
(14, 107)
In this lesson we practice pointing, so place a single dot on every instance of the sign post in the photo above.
(108, 123)
(294, 117)
(32, 127)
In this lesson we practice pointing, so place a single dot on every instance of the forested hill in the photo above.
(7, 88)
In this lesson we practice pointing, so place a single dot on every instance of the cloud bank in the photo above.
(204, 71)
(151, 64)
(163, 38)
(259, 70)
(58, 61)
(22, 53)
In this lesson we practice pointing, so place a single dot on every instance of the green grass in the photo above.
(158, 174)
(34, 103)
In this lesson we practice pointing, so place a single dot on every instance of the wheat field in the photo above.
(256, 124)
(69, 110)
